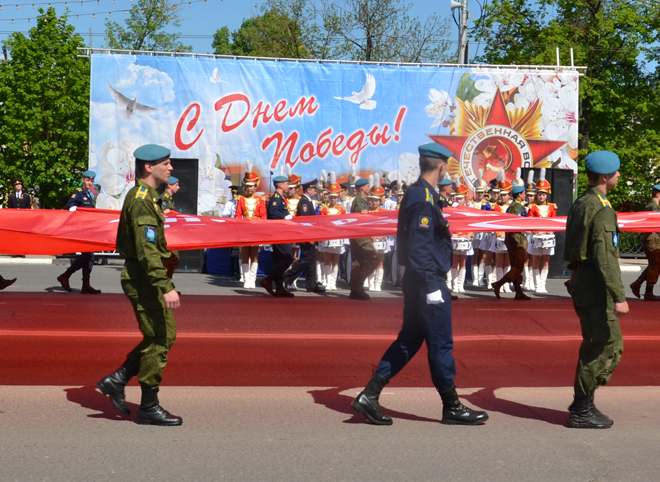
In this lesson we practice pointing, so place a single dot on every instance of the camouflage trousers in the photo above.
(602, 341)
(156, 323)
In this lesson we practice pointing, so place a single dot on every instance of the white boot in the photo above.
(325, 269)
(475, 275)
(537, 281)
(530, 279)
(544, 278)
(378, 282)
(449, 278)
(372, 280)
(366, 282)
(334, 272)
(489, 277)
(253, 274)
(245, 275)
(482, 267)
(454, 279)
(461, 280)
(319, 274)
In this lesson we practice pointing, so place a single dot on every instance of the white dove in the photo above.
(128, 107)
(363, 97)
(215, 78)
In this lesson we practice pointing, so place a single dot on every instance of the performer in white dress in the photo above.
(544, 242)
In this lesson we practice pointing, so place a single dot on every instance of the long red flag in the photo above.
(50, 232)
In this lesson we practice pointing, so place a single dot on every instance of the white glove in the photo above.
(288, 216)
(434, 298)
(73, 208)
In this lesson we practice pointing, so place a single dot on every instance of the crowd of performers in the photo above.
(498, 256)
(490, 253)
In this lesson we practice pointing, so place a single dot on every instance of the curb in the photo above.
(24, 261)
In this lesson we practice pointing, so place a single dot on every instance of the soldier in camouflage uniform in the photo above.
(363, 253)
(141, 240)
(592, 251)
(516, 245)
(651, 244)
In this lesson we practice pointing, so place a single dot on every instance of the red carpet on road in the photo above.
(66, 339)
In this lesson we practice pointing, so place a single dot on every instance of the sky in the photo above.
(201, 19)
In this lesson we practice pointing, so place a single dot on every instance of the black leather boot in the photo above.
(113, 385)
(595, 410)
(366, 402)
(87, 288)
(151, 413)
(455, 413)
(63, 279)
(584, 414)
(5, 283)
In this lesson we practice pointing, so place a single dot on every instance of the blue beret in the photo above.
(90, 174)
(435, 150)
(172, 180)
(656, 187)
(280, 179)
(361, 182)
(517, 189)
(602, 162)
(445, 182)
(151, 153)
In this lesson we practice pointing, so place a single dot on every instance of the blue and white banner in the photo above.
(317, 116)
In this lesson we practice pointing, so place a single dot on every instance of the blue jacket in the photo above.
(423, 240)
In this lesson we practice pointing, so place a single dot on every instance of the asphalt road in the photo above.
(264, 387)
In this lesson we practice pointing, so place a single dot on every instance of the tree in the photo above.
(285, 29)
(619, 103)
(382, 30)
(145, 27)
(44, 111)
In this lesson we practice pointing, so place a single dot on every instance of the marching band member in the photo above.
(332, 248)
(479, 202)
(518, 181)
(498, 246)
(541, 255)
(487, 238)
(462, 243)
(375, 197)
(250, 206)
(530, 196)
(320, 247)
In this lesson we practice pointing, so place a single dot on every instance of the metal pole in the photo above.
(90, 37)
(462, 35)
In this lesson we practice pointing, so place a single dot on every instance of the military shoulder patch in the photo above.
(424, 222)
(150, 232)
(141, 193)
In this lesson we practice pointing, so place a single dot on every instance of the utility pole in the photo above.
(462, 30)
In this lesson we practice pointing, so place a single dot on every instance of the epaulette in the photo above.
(429, 196)
(604, 201)
(141, 193)
(553, 204)
(79, 189)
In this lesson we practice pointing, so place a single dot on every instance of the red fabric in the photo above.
(52, 232)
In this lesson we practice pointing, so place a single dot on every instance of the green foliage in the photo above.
(145, 27)
(44, 111)
(619, 103)
(282, 30)
(367, 30)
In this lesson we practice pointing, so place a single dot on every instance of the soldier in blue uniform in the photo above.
(277, 208)
(425, 249)
(82, 197)
(444, 186)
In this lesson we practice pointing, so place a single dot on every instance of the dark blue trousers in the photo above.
(422, 322)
